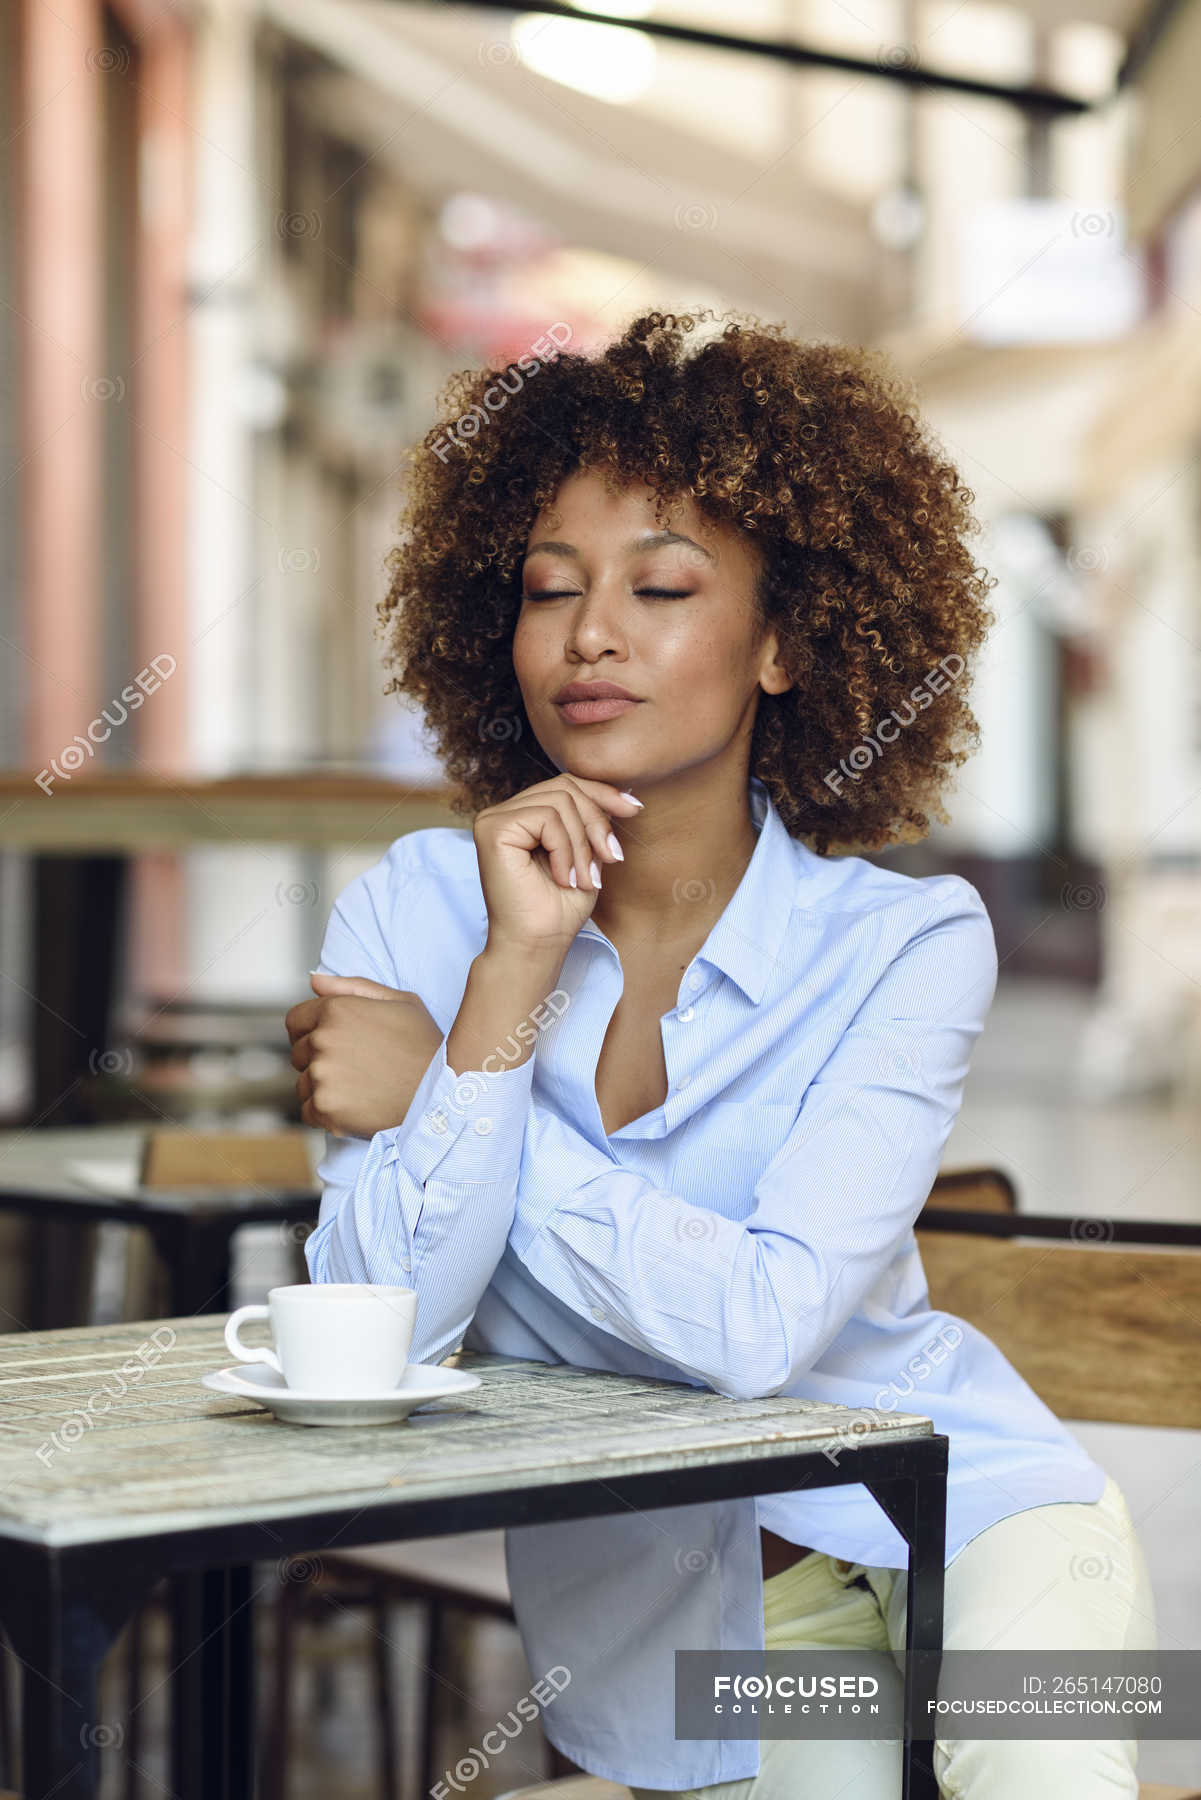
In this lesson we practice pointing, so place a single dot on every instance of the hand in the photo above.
(362, 1049)
(527, 848)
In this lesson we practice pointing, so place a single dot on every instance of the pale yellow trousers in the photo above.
(1071, 1576)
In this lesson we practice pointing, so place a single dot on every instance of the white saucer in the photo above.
(259, 1381)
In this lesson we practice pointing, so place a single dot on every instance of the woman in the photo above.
(636, 1075)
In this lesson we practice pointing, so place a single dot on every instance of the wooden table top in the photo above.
(169, 1455)
(125, 814)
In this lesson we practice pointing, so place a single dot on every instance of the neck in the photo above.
(685, 855)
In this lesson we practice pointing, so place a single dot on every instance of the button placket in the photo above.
(684, 1015)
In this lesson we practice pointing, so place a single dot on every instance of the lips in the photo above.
(597, 705)
(593, 690)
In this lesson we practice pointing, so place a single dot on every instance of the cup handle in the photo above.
(242, 1351)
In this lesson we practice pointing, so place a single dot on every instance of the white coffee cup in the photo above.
(333, 1337)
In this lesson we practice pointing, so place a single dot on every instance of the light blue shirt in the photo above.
(752, 1235)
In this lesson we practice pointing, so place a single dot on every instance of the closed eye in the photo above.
(650, 593)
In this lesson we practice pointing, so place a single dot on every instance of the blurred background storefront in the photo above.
(243, 243)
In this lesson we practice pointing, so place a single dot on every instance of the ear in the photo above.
(773, 676)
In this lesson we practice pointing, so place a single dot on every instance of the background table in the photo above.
(193, 1233)
(172, 1477)
(83, 836)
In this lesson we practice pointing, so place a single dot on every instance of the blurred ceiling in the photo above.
(409, 84)
(433, 89)
(1130, 20)
(1122, 16)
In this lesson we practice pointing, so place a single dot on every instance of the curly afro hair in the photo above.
(815, 449)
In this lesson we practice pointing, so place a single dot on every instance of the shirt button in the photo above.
(597, 1313)
(694, 980)
(483, 1127)
(685, 1015)
(684, 1080)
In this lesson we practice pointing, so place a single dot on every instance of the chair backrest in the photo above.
(1099, 1331)
(182, 1159)
(973, 1190)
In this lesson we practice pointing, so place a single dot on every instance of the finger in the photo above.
(596, 825)
(302, 1052)
(301, 1018)
(310, 1116)
(352, 984)
(588, 862)
(566, 829)
(609, 798)
(594, 801)
(309, 1112)
(555, 824)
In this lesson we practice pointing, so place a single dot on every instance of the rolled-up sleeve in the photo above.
(748, 1306)
(427, 1203)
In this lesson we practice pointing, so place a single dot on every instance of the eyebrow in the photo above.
(650, 540)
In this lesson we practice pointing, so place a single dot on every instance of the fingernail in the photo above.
(633, 797)
(572, 879)
(595, 874)
(615, 847)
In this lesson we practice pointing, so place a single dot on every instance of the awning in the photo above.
(408, 85)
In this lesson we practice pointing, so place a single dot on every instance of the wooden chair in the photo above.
(456, 1580)
(971, 1190)
(1104, 1327)
(1099, 1331)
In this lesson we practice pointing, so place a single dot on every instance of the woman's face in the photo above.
(607, 597)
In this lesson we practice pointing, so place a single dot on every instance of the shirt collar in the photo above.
(746, 941)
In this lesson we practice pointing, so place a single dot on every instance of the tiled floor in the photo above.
(1065, 1156)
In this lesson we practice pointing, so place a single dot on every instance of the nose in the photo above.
(596, 621)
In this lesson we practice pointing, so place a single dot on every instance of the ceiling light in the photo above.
(610, 62)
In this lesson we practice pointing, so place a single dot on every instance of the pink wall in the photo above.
(61, 221)
(160, 379)
(60, 273)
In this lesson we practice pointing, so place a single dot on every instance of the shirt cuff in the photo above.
(463, 1127)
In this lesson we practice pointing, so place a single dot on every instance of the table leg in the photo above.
(917, 1507)
(198, 1253)
(923, 1631)
(74, 976)
(62, 1618)
(213, 1685)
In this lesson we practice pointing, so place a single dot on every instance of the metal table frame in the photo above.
(193, 1234)
(63, 1607)
(194, 1237)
